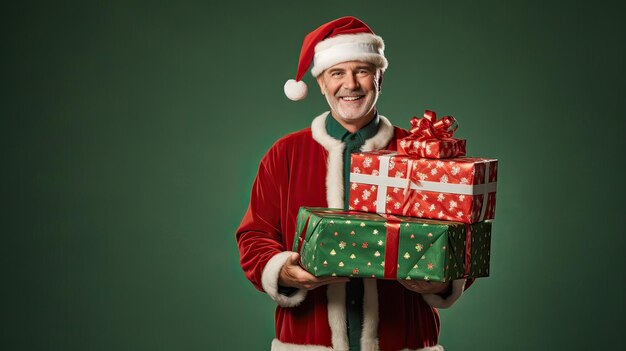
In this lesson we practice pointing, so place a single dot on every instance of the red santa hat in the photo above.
(341, 40)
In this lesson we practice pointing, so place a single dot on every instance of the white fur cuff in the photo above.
(269, 280)
(434, 300)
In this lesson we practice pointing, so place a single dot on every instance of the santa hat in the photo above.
(341, 40)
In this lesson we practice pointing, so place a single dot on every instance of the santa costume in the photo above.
(306, 168)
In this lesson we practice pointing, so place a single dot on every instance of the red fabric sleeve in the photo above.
(259, 235)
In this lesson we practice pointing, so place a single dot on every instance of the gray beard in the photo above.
(344, 117)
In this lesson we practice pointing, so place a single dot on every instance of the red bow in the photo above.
(432, 138)
(429, 127)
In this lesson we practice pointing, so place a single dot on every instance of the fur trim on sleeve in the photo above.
(269, 280)
(435, 300)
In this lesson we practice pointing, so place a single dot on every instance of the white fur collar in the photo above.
(334, 175)
(377, 142)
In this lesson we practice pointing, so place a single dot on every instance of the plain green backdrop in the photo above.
(131, 133)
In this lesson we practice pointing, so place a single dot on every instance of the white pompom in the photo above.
(295, 90)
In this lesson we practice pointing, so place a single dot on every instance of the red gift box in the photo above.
(432, 138)
(459, 189)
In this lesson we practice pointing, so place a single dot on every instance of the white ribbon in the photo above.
(383, 171)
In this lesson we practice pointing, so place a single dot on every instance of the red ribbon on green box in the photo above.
(393, 240)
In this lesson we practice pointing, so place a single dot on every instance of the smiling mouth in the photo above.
(351, 98)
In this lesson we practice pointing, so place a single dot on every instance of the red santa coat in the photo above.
(305, 168)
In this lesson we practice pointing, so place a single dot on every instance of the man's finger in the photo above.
(328, 280)
(318, 283)
(311, 282)
(294, 258)
(425, 287)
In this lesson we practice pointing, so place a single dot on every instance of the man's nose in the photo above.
(351, 82)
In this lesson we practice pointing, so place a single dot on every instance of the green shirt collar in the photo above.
(337, 131)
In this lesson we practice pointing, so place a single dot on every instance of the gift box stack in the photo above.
(422, 212)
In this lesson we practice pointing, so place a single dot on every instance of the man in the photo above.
(310, 168)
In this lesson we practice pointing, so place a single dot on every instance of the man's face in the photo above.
(351, 89)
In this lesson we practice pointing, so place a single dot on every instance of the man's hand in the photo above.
(425, 287)
(292, 275)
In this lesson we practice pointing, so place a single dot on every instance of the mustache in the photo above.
(345, 93)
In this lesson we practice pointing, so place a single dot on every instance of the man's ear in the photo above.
(380, 82)
(320, 82)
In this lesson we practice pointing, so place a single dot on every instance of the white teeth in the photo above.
(351, 98)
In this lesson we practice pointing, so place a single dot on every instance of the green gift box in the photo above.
(357, 244)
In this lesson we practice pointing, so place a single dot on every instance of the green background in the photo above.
(131, 133)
